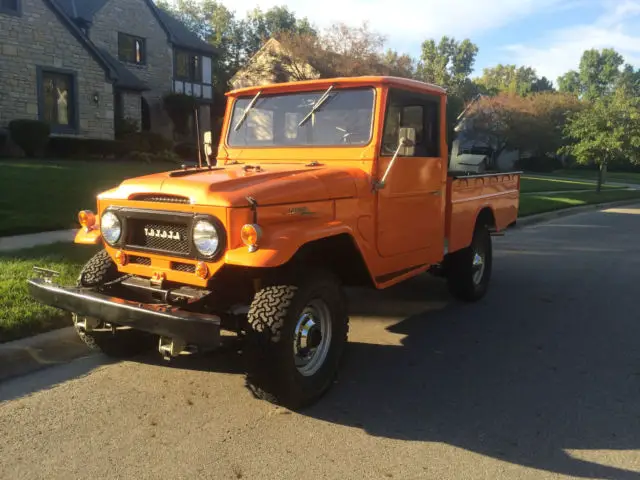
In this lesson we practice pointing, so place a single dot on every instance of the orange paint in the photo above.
(307, 193)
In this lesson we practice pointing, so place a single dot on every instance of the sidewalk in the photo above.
(18, 242)
(628, 186)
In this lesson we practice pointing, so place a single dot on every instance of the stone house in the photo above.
(81, 65)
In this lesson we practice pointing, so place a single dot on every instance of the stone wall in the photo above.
(39, 38)
(134, 17)
(131, 106)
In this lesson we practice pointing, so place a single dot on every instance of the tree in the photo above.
(260, 26)
(598, 74)
(512, 79)
(448, 63)
(607, 130)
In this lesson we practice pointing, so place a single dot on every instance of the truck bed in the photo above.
(467, 195)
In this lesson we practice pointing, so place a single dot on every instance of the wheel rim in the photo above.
(312, 338)
(478, 265)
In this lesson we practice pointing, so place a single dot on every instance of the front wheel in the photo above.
(115, 342)
(469, 270)
(296, 334)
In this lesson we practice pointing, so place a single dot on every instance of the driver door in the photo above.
(410, 208)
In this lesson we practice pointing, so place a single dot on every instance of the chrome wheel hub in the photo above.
(312, 338)
(478, 267)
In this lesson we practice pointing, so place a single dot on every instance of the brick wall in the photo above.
(135, 18)
(38, 38)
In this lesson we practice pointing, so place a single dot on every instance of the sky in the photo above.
(548, 35)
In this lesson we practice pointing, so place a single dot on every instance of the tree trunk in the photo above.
(601, 173)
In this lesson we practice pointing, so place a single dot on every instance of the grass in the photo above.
(622, 177)
(533, 203)
(45, 195)
(20, 315)
(534, 184)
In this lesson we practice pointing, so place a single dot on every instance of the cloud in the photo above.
(561, 50)
(408, 21)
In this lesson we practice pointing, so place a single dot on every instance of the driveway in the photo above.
(539, 380)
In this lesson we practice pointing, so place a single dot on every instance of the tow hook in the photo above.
(172, 347)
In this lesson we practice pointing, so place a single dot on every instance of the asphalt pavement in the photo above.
(541, 379)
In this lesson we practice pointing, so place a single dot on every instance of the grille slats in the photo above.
(147, 197)
(163, 236)
(140, 260)
(183, 267)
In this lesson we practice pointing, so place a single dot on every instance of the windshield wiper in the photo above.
(317, 105)
(246, 111)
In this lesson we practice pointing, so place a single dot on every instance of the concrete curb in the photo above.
(18, 242)
(30, 354)
(547, 216)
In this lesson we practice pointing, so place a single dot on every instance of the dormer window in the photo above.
(131, 49)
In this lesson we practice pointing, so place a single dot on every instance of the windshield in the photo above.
(343, 117)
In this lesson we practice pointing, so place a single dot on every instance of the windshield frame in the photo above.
(320, 91)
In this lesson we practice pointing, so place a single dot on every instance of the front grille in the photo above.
(151, 197)
(183, 267)
(168, 237)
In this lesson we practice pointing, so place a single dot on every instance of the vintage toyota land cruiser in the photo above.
(318, 184)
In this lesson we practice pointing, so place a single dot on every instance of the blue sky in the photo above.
(549, 35)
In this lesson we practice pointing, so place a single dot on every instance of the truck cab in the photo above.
(317, 185)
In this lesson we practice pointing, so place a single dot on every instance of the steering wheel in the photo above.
(346, 137)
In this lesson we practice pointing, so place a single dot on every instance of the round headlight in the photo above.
(206, 238)
(110, 227)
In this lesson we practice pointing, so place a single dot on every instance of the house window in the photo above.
(57, 100)
(10, 6)
(188, 67)
(131, 49)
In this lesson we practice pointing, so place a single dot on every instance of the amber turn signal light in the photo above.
(251, 235)
(121, 258)
(87, 219)
(201, 270)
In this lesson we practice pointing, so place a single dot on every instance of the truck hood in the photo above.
(229, 186)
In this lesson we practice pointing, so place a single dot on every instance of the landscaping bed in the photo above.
(45, 195)
(20, 315)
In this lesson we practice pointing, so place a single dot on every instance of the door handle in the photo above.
(436, 193)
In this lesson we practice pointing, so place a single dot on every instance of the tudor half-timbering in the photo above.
(83, 64)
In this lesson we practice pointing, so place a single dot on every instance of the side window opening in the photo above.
(406, 109)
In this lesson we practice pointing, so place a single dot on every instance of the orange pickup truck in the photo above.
(317, 184)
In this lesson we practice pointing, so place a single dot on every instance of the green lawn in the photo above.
(20, 315)
(622, 177)
(532, 184)
(531, 204)
(46, 195)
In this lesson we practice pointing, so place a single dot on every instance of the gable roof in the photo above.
(126, 78)
(82, 38)
(177, 31)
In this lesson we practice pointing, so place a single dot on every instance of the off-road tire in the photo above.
(460, 271)
(268, 350)
(100, 269)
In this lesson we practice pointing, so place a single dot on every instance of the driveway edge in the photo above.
(30, 354)
(565, 212)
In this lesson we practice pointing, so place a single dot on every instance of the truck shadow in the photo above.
(522, 385)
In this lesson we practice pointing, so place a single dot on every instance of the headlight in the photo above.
(206, 238)
(110, 227)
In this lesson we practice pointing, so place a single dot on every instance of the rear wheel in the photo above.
(469, 270)
(296, 334)
(113, 341)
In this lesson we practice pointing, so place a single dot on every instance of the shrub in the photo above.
(539, 164)
(146, 142)
(186, 151)
(30, 135)
(125, 126)
(148, 157)
(179, 107)
(67, 147)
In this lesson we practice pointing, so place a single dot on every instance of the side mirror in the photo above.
(407, 142)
